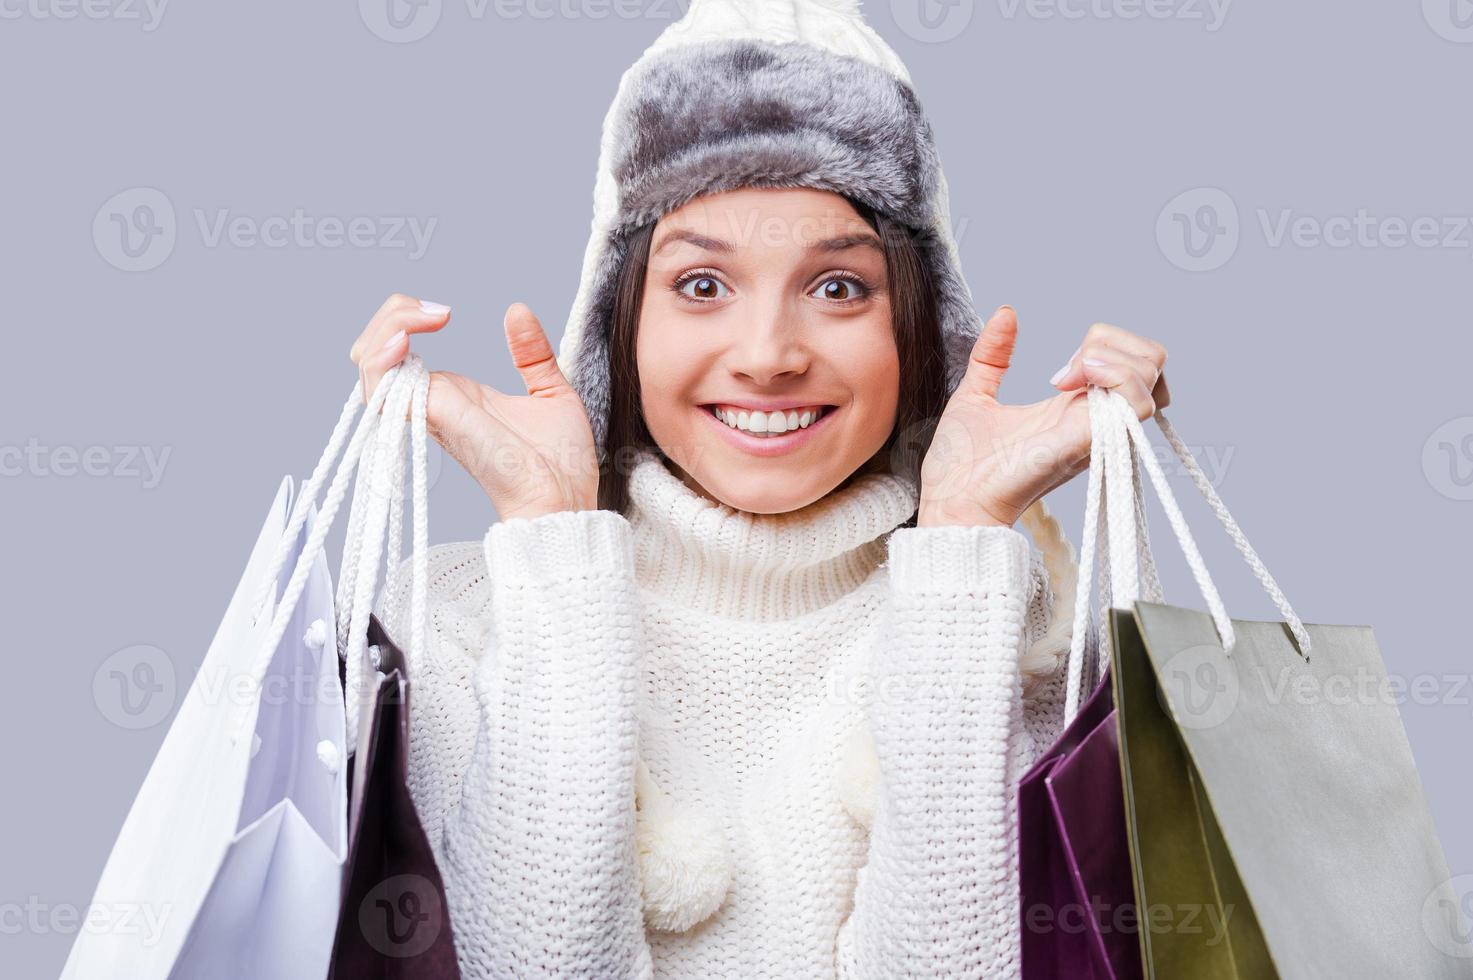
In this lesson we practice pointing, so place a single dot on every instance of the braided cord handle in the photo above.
(1117, 440)
(374, 447)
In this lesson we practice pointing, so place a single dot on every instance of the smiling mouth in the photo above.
(765, 425)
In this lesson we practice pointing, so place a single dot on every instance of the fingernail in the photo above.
(1059, 374)
(394, 340)
(1004, 306)
(434, 309)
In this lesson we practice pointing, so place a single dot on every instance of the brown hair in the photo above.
(917, 341)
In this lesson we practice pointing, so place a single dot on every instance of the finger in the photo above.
(1072, 375)
(1160, 393)
(399, 312)
(992, 353)
(1120, 376)
(450, 402)
(1132, 343)
(386, 340)
(531, 352)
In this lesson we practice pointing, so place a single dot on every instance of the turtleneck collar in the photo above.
(707, 555)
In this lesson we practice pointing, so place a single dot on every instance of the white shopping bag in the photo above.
(233, 849)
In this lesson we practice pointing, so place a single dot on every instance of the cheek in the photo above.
(667, 370)
(872, 369)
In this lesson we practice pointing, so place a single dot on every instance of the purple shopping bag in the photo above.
(1077, 896)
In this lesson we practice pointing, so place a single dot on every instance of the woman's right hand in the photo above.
(533, 454)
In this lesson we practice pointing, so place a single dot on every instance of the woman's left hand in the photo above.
(989, 461)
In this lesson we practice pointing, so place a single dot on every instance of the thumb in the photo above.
(531, 352)
(992, 353)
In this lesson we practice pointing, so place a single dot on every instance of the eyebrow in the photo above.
(709, 244)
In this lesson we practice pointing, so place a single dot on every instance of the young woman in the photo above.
(741, 682)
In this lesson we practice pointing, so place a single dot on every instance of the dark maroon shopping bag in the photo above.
(1077, 894)
(394, 923)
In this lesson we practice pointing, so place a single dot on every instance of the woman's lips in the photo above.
(768, 445)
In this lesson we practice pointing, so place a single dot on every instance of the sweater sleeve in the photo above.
(953, 734)
(538, 851)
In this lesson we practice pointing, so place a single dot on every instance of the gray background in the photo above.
(1331, 378)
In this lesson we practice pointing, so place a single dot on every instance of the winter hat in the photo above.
(768, 93)
(761, 93)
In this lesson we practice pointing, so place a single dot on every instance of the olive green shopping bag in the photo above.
(1277, 823)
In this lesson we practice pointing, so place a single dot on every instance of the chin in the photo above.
(763, 486)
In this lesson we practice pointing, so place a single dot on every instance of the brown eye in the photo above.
(702, 288)
(840, 289)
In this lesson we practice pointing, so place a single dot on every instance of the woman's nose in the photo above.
(769, 347)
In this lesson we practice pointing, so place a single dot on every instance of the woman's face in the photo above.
(766, 310)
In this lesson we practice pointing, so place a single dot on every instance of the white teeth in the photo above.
(768, 423)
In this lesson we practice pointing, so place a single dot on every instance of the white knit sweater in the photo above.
(747, 661)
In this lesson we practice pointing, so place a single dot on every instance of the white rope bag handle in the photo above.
(1117, 442)
(384, 514)
(372, 451)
